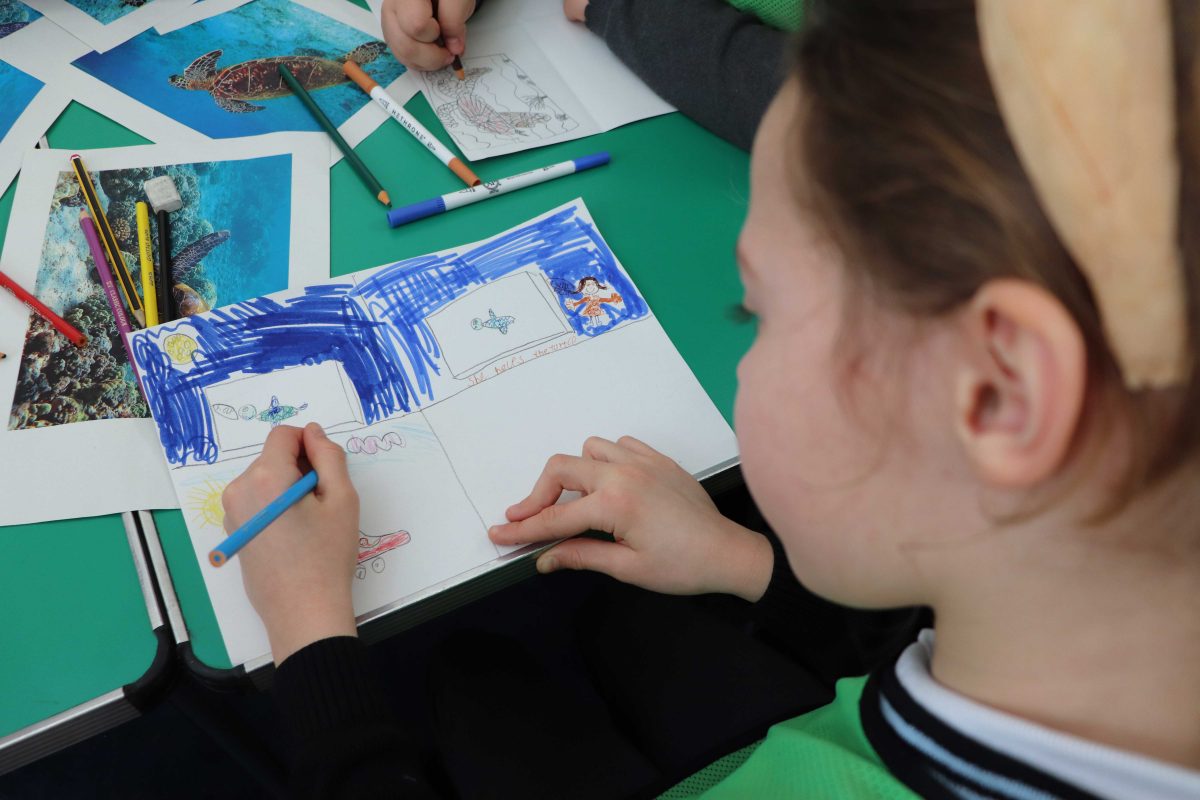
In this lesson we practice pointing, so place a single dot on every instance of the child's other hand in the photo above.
(297, 572)
(670, 537)
(411, 31)
(575, 10)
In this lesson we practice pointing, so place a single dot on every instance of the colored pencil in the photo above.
(456, 64)
(255, 525)
(109, 286)
(465, 197)
(331, 129)
(410, 123)
(40, 308)
(166, 292)
(116, 259)
(149, 295)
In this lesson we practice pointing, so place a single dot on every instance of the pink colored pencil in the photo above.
(109, 285)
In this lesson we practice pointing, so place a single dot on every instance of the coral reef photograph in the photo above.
(221, 77)
(14, 16)
(229, 242)
(107, 11)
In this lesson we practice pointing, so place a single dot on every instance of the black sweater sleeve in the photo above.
(717, 65)
(346, 742)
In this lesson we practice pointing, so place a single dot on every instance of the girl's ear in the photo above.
(1019, 389)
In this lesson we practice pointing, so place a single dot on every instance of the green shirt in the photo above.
(823, 753)
(786, 15)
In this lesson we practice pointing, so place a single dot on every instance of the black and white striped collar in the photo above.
(985, 753)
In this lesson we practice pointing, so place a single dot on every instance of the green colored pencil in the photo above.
(324, 121)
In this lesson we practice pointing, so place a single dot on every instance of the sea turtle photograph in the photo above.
(220, 75)
(236, 88)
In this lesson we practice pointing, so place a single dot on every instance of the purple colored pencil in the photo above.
(110, 287)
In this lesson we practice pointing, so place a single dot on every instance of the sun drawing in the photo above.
(180, 348)
(205, 500)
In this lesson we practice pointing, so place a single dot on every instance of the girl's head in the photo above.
(589, 285)
(931, 388)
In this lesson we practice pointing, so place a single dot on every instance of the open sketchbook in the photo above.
(449, 379)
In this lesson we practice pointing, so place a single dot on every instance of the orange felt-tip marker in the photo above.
(365, 82)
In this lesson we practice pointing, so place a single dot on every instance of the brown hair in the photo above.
(585, 279)
(906, 161)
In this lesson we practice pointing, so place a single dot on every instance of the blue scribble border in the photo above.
(376, 329)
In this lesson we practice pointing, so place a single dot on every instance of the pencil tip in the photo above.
(461, 73)
(384, 198)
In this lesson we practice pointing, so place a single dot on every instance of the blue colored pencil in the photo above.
(255, 525)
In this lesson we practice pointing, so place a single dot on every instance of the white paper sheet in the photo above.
(101, 35)
(436, 451)
(135, 97)
(38, 114)
(538, 81)
(116, 464)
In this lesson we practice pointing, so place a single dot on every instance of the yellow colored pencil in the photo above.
(149, 293)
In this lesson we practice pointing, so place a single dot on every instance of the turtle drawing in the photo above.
(274, 414)
(495, 323)
(234, 87)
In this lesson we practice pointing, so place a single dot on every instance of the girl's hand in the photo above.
(411, 31)
(297, 572)
(669, 536)
(575, 9)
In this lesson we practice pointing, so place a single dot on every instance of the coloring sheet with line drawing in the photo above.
(516, 97)
(448, 379)
(255, 219)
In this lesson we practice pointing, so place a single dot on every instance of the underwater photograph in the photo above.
(220, 76)
(16, 89)
(15, 15)
(229, 242)
(107, 11)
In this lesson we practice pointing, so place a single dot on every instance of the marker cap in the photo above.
(587, 162)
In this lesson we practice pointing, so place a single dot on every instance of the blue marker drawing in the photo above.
(495, 323)
(375, 328)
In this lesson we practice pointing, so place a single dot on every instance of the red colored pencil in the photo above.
(38, 307)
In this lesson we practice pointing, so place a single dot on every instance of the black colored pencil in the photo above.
(163, 283)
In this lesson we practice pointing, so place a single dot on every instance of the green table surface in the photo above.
(670, 205)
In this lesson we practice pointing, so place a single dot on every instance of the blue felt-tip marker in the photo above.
(448, 202)
(255, 525)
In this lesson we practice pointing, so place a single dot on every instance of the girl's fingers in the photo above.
(553, 522)
(602, 449)
(637, 446)
(281, 451)
(561, 473)
(615, 560)
(416, 20)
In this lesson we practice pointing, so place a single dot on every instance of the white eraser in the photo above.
(162, 194)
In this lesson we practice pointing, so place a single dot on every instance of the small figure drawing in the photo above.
(495, 323)
(258, 79)
(372, 548)
(370, 445)
(274, 414)
(593, 312)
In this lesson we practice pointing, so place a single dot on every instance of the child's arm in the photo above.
(717, 65)
(297, 573)
(669, 535)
